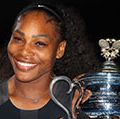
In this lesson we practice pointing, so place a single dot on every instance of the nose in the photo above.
(27, 51)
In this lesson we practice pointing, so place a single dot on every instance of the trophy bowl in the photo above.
(104, 85)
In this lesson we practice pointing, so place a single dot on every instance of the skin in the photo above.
(33, 49)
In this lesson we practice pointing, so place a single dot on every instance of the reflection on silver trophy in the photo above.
(104, 84)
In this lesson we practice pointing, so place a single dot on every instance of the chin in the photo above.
(24, 77)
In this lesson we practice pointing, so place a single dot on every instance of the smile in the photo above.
(24, 66)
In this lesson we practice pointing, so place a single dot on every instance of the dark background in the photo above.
(101, 17)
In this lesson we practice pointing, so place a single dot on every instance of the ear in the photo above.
(61, 49)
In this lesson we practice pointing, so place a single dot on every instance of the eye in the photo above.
(17, 39)
(40, 44)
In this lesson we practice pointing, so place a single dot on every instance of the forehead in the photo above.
(35, 22)
(36, 16)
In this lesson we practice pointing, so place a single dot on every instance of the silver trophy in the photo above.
(104, 84)
(62, 90)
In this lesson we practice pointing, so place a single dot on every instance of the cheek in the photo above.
(12, 49)
(47, 56)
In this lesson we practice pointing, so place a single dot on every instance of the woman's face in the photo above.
(34, 47)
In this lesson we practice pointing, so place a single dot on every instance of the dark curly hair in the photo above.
(79, 56)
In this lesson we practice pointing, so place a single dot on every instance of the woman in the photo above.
(38, 39)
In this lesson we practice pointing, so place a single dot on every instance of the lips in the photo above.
(24, 66)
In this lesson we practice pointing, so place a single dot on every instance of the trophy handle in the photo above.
(78, 87)
(69, 96)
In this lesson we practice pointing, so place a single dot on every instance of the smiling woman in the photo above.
(36, 49)
(33, 46)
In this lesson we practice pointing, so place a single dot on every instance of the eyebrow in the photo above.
(34, 36)
(20, 32)
(41, 36)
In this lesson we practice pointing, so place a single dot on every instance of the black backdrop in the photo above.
(101, 16)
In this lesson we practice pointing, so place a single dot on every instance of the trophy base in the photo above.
(105, 117)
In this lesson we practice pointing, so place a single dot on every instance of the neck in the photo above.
(33, 90)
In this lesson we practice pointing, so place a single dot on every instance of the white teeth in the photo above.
(25, 64)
